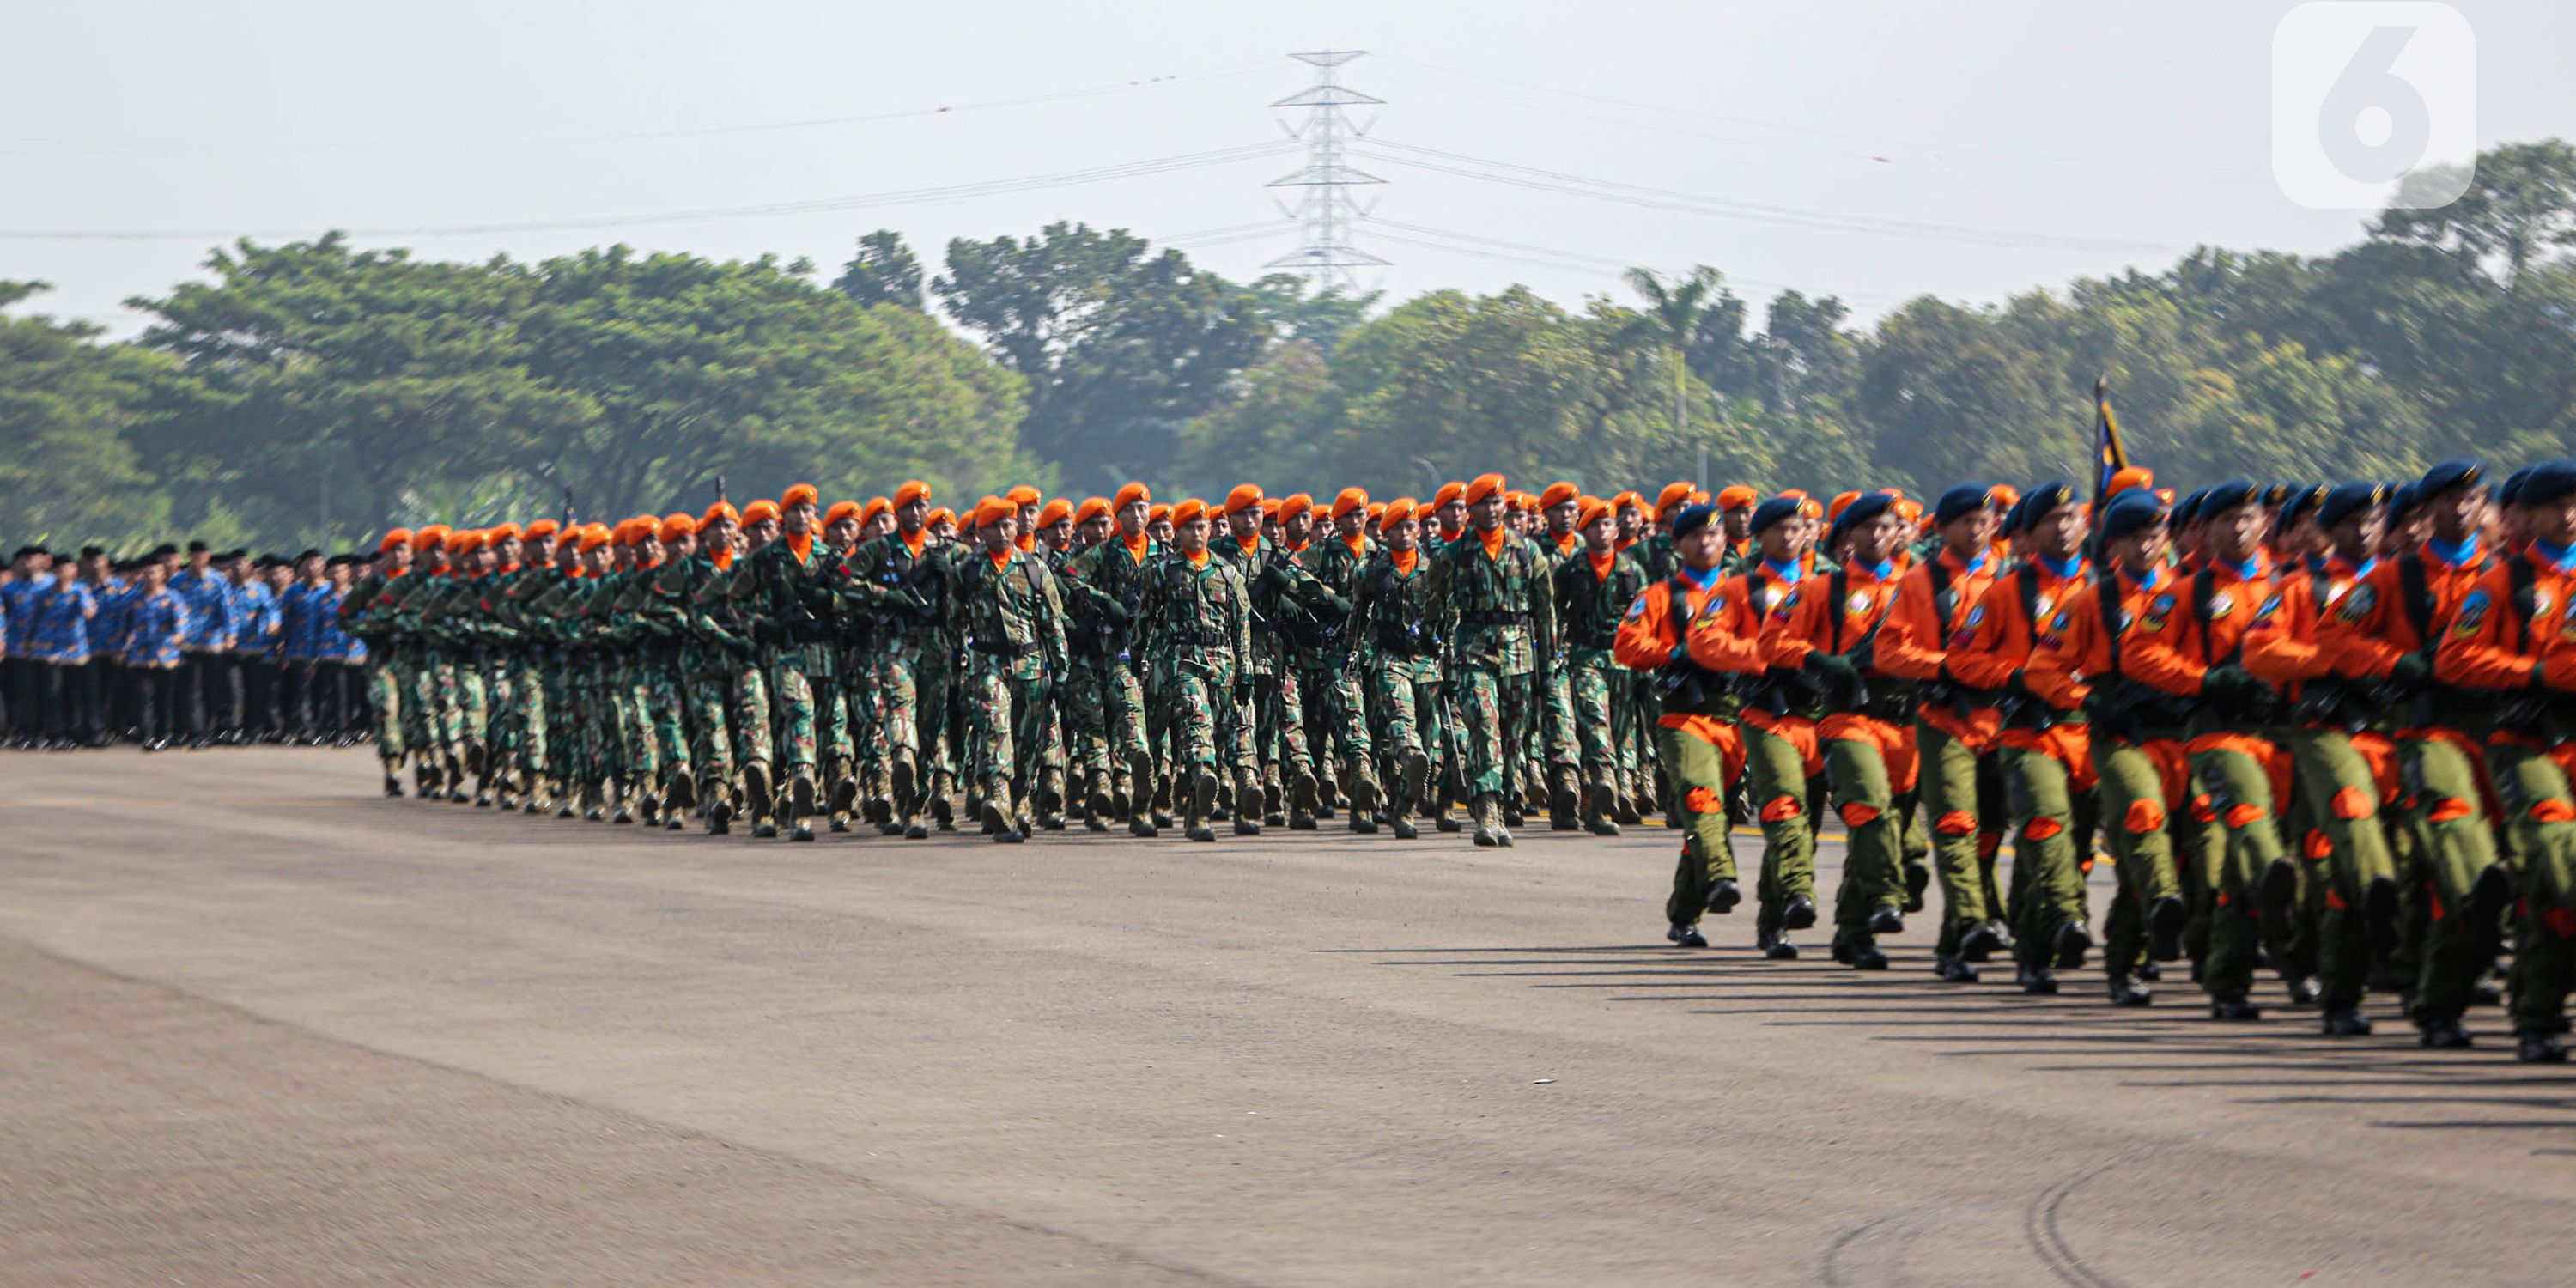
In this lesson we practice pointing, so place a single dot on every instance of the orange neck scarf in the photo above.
(1601, 564)
(1198, 558)
(1358, 542)
(723, 556)
(800, 545)
(1001, 558)
(1136, 545)
(914, 541)
(1494, 541)
(1405, 560)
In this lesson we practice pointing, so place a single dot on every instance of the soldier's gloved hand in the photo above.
(1337, 604)
(2411, 669)
(1834, 668)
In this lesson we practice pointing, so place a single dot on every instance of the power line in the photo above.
(825, 205)
(1549, 257)
(1545, 180)
(637, 136)
(1880, 141)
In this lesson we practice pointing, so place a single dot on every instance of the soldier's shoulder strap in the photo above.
(2522, 578)
(2026, 585)
(2204, 594)
(1835, 585)
(2415, 593)
(1945, 598)
(2106, 601)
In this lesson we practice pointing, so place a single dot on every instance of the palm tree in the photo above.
(1673, 313)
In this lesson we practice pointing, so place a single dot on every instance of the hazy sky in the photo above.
(1874, 150)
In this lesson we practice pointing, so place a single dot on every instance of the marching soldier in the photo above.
(1491, 598)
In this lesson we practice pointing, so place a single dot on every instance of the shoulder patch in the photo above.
(1858, 603)
(2158, 612)
(2271, 605)
(2358, 603)
(1977, 617)
(1637, 608)
(2473, 614)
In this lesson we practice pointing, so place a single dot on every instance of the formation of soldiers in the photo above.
(2324, 731)
(193, 647)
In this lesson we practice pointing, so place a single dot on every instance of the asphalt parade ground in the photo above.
(260, 1025)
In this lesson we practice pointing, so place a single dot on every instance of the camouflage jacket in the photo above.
(1010, 617)
(1199, 619)
(1497, 610)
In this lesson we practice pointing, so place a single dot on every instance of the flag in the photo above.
(2109, 457)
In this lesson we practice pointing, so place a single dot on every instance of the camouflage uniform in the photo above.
(1104, 590)
(1497, 615)
(1276, 585)
(1589, 606)
(907, 594)
(1335, 706)
(1395, 641)
(1012, 621)
(1200, 643)
(778, 591)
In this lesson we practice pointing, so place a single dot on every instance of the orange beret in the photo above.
(1190, 510)
(720, 510)
(939, 514)
(1626, 500)
(500, 533)
(2003, 496)
(1376, 511)
(1158, 514)
(993, 509)
(1673, 497)
(1130, 495)
(394, 537)
(1594, 510)
(1450, 491)
(1297, 503)
(542, 528)
(1558, 493)
(1023, 495)
(1737, 497)
(594, 536)
(676, 526)
(1243, 496)
(2136, 476)
(1054, 512)
(1520, 500)
(876, 505)
(840, 510)
(799, 494)
(624, 533)
(1842, 500)
(1484, 486)
(1397, 511)
(1907, 508)
(1092, 507)
(1349, 499)
(430, 537)
(759, 512)
(1270, 507)
(462, 541)
(912, 490)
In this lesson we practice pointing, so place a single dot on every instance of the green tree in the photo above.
(2518, 209)
(884, 271)
(67, 473)
(1121, 347)
(1673, 313)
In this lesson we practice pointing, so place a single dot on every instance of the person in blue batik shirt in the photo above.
(156, 622)
(58, 642)
(209, 600)
(29, 572)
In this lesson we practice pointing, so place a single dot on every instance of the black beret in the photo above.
(2549, 481)
(196, 547)
(2228, 496)
(2131, 511)
(2040, 501)
(2450, 474)
(1692, 519)
(1869, 506)
(1775, 510)
(2342, 502)
(1961, 501)
(92, 552)
(2309, 497)
(161, 551)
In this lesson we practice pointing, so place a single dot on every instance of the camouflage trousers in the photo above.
(1103, 705)
(1404, 701)
(1493, 711)
(384, 698)
(791, 700)
(528, 726)
(1007, 719)
(913, 694)
(1209, 730)
(1335, 714)
(710, 728)
(1559, 734)
(749, 690)
(1279, 728)
(1595, 688)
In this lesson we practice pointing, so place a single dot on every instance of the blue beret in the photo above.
(2549, 481)
(2280, 493)
(1775, 510)
(2509, 492)
(2450, 474)
(2342, 502)
(2189, 509)
(2040, 501)
(1869, 506)
(2405, 498)
(2304, 498)
(2228, 496)
(1692, 519)
(2131, 511)
(1961, 501)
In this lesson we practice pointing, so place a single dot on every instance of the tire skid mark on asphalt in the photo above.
(1872, 1254)
(2040, 1226)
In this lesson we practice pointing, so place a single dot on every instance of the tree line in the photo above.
(313, 392)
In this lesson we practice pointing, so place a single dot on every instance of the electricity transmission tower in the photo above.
(1326, 210)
